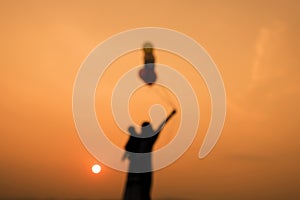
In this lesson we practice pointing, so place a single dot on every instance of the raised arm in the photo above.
(165, 121)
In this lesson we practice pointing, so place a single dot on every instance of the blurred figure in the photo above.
(138, 185)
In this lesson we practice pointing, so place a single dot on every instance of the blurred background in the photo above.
(255, 45)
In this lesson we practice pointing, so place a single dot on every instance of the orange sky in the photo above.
(255, 45)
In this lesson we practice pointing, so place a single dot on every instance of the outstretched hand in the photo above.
(172, 113)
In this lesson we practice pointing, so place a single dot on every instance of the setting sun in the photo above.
(96, 169)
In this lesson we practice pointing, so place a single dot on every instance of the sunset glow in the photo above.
(255, 45)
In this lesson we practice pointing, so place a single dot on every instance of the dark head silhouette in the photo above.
(147, 130)
(145, 124)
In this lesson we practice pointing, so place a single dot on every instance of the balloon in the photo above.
(148, 75)
(148, 47)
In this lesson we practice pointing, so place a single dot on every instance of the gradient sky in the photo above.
(255, 44)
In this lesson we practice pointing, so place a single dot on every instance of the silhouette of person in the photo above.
(138, 185)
